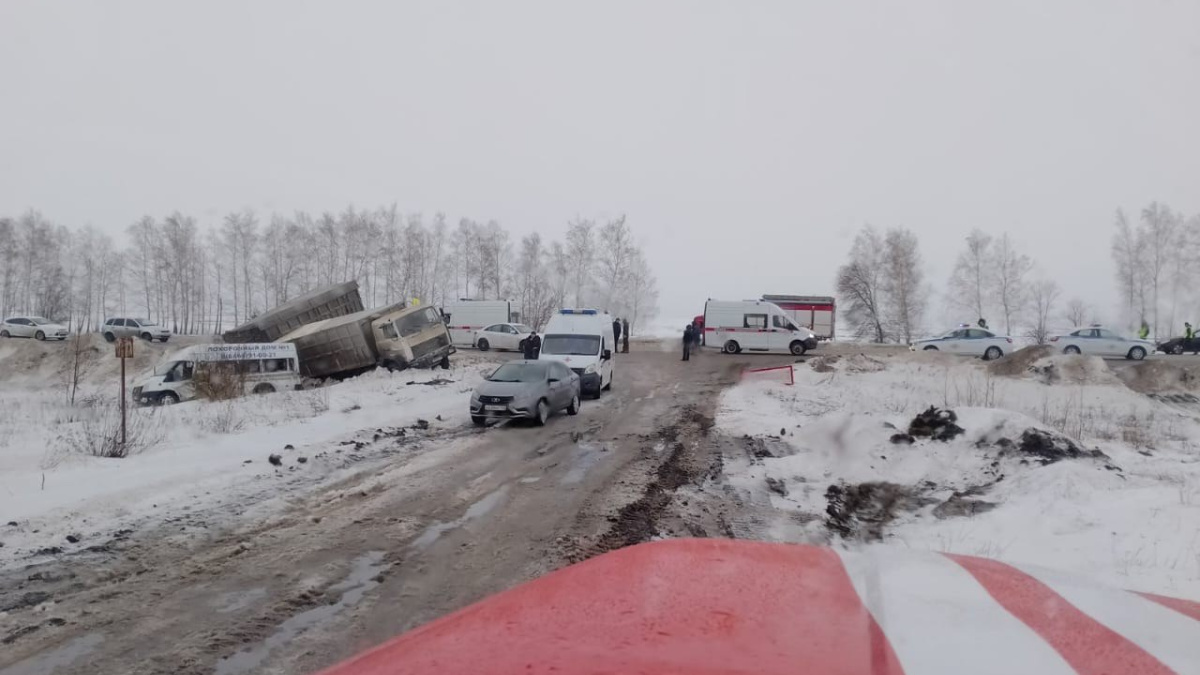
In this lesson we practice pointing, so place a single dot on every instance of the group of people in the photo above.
(621, 328)
(693, 335)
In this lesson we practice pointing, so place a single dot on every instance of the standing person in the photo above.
(688, 336)
(1144, 331)
(697, 335)
(616, 333)
(533, 346)
(982, 323)
(625, 335)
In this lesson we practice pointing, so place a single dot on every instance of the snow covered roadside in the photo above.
(1131, 520)
(204, 456)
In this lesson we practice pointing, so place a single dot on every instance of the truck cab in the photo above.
(581, 339)
(413, 337)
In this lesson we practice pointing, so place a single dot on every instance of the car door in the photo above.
(508, 335)
(780, 335)
(565, 392)
(25, 327)
(977, 342)
(1111, 343)
(953, 341)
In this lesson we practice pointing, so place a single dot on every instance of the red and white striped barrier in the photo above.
(724, 607)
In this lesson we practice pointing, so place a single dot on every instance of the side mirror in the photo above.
(606, 354)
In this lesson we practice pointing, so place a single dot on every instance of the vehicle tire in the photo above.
(168, 398)
(1177, 350)
(147, 337)
(573, 409)
(109, 337)
(445, 364)
(478, 420)
(1136, 354)
(4, 334)
(930, 348)
(608, 387)
(1071, 349)
(482, 344)
(543, 413)
(797, 348)
(731, 347)
(264, 388)
(992, 353)
(163, 340)
(39, 335)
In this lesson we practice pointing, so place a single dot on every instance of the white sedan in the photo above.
(967, 341)
(501, 336)
(33, 327)
(1099, 341)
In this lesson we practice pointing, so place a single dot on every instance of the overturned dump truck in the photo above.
(323, 303)
(394, 337)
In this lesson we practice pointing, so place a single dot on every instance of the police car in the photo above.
(967, 341)
(1097, 340)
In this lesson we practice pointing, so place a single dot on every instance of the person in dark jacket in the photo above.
(625, 335)
(982, 323)
(616, 332)
(533, 346)
(688, 336)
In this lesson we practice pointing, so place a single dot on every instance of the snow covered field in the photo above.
(198, 454)
(1131, 519)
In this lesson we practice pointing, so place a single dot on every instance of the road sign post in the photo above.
(124, 351)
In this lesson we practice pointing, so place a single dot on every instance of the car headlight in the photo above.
(590, 369)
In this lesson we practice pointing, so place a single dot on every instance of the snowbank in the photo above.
(200, 453)
(1130, 518)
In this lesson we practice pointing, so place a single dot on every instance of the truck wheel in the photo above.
(168, 398)
(109, 337)
(264, 388)
(445, 364)
(483, 344)
(478, 420)
(608, 387)
(797, 348)
(731, 347)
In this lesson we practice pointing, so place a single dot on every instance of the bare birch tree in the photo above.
(860, 284)
(1043, 295)
(1077, 312)
(903, 283)
(1010, 270)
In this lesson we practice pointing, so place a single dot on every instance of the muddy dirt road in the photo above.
(407, 539)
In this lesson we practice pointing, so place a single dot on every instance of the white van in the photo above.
(465, 317)
(753, 325)
(581, 339)
(262, 368)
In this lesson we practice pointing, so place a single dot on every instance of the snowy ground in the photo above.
(197, 454)
(1132, 520)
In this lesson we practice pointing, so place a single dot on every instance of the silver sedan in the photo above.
(526, 390)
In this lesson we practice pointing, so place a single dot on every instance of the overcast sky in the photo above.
(746, 141)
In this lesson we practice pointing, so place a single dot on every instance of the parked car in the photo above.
(501, 336)
(35, 327)
(526, 390)
(1179, 345)
(141, 328)
(967, 341)
(1100, 341)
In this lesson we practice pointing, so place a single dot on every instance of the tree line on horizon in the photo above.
(208, 278)
(883, 289)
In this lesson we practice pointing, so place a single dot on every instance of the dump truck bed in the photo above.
(323, 303)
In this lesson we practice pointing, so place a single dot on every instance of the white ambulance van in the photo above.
(582, 339)
(263, 368)
(734, 326)
(465, 317)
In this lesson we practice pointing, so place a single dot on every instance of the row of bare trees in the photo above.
(1156, 267)
(882, 288)
(207, 278)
